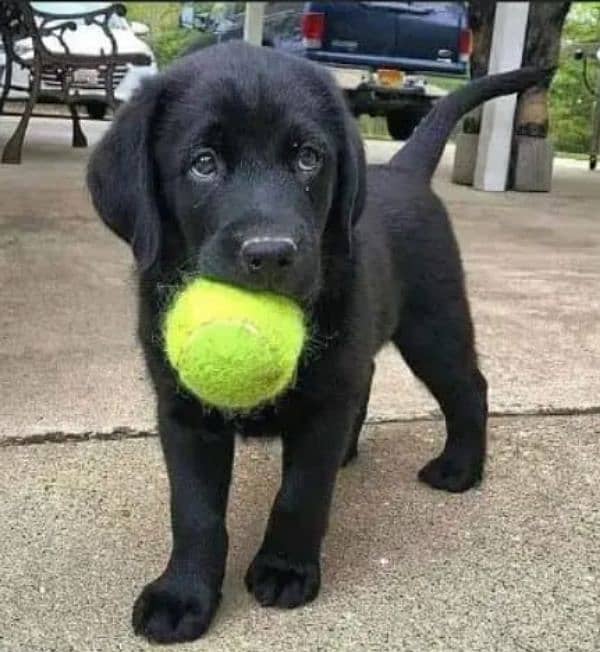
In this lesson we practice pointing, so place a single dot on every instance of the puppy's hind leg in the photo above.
(437, 344)
(352, 450)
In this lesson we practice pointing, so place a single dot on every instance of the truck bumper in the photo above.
(381, 101)
(366, 96)
(370, 61)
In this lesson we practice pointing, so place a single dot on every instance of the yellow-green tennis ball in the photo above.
(233, 348)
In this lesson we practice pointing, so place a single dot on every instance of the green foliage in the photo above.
(166, 38)
(571, 104)
(170, 44)
(159, 16)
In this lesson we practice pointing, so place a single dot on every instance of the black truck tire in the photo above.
(402, 122)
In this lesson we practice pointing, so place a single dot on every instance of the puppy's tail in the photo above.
(420, 155)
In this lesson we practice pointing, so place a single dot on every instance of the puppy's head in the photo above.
(238, 163)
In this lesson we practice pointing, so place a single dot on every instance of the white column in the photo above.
(495, 135)
(253, 22)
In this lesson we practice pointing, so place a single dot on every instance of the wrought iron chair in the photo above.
(68, 71)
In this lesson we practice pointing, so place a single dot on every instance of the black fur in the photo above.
(365, 274)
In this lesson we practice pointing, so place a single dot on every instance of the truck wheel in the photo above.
(96, 110)
(403, 122)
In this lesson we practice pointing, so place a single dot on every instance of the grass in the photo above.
(577, 156)
(374, 127)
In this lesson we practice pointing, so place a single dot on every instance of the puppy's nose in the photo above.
(267, 255)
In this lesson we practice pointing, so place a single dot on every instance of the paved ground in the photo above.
(512, 566)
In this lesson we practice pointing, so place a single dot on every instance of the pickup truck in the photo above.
(379, 51)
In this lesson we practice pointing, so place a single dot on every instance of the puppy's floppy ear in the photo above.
(351, 182)
(120, 175)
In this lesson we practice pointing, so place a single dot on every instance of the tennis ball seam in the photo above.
(264, 342)
(225, 322)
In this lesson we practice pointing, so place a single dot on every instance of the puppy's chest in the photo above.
(263, 423)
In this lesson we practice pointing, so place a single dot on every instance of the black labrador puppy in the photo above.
(245, 165)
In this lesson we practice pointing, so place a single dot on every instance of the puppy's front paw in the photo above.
(452, 472)
(276, 582)
(173, 610)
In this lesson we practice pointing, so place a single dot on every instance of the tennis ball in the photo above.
(233, 348)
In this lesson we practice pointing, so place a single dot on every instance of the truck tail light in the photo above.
(313, 30)
(465, 44)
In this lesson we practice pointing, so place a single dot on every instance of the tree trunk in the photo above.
(542, 49)
(481, 22)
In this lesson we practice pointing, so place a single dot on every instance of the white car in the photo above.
(91, 40)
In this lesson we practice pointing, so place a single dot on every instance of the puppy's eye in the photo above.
(309, 159)
(205, 166)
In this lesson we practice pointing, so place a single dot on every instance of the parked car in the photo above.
(378, 52)
(86, 39)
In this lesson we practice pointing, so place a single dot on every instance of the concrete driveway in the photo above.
(514, 565)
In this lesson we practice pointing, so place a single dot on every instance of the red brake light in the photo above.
(465, 44)
(313, 29)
